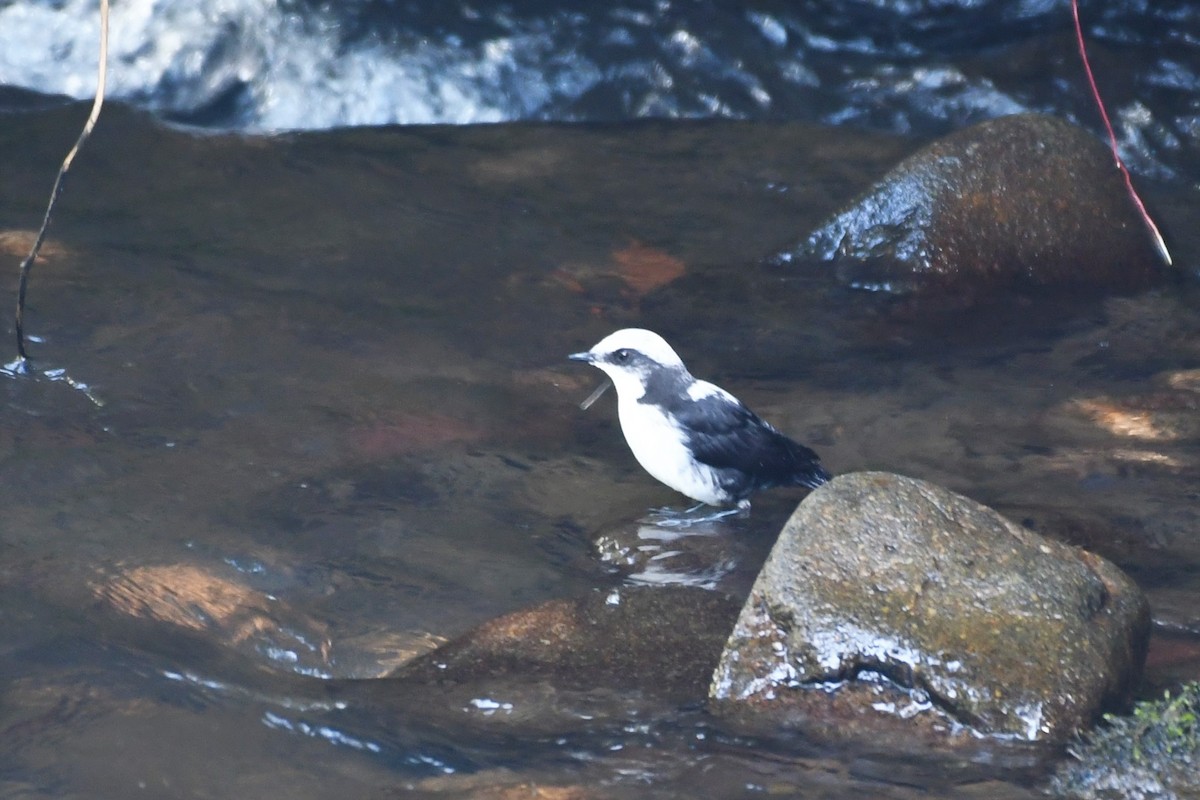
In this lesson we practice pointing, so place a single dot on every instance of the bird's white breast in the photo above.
(658, 445)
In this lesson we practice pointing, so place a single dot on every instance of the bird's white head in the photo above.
(629, 356)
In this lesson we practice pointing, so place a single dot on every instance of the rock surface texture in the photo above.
(891, 604)
(1021, 200)
(663, 640)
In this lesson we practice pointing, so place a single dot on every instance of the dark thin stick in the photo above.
(26, 265)
(1112, 139)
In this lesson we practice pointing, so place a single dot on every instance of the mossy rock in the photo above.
(890, 603)
(1153, 753)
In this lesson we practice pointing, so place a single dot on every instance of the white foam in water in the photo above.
(179, 57)
(268, 65)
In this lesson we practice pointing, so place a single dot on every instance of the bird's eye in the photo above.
(621, 356)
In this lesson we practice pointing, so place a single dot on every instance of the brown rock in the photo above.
(587, 666)
(194, 599)
(892, 604)
(1021, 200)
(661, 640)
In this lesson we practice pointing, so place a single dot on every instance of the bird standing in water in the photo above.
(690, 434)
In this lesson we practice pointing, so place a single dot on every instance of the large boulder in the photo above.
(891, 604)
(1021, 200)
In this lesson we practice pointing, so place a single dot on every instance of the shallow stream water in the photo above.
(319, 419)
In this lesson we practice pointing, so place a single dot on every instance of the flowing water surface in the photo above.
(301, 411)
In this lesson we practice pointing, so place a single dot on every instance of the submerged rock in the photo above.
(892, 604)
(586, 668)
(1021, 200)
(217, 605)
(659, 640)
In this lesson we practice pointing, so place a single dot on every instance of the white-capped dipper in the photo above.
(694, 436)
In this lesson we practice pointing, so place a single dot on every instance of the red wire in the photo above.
(1112, 138)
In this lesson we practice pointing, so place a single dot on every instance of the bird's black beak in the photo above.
(586, 358)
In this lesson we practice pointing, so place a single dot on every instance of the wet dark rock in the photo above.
(660, 640)
(584, 668)
(1022, 200)
(893, 604)
(1154, 752)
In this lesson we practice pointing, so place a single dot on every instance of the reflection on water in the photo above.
(698, 546)
(339, 428)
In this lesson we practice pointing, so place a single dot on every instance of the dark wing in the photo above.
(726, 435)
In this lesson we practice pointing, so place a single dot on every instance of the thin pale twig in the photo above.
(27, 264)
